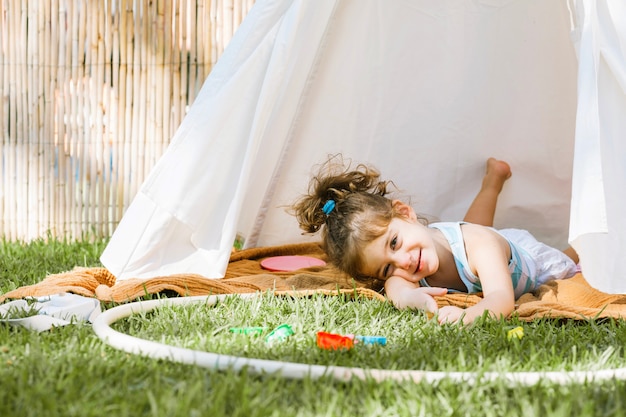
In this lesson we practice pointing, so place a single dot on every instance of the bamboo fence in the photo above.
(91, 93)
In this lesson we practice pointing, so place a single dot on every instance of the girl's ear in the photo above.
(404, 210)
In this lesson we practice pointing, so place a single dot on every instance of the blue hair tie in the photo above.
(328, 207)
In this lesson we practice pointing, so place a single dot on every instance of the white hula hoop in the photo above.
(155, 350)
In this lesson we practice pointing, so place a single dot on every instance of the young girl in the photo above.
(368, 235)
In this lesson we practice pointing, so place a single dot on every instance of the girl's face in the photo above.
(406, 250)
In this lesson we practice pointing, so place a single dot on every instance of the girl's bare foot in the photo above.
(483, 208)
(497, 173)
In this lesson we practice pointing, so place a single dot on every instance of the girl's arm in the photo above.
(406, 294)
(488, 254)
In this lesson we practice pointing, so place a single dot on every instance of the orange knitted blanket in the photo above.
(573, 298)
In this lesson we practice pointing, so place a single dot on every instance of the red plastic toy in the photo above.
(334, 341)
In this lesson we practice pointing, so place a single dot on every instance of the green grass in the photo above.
(69, 372)
(547, 345)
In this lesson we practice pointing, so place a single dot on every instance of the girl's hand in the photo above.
(423, 298)
(452, 314)
(405, 294)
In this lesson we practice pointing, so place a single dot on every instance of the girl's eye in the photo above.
(386, 271)
(393, 243)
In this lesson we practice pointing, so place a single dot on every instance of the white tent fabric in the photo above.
(424, 90)
(598, 215)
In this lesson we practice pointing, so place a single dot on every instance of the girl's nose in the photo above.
(403, 260)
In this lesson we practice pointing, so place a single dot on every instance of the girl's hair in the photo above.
(361, 212)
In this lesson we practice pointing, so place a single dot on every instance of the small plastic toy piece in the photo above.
(279, 334)
(248, 330)
(372, 340)
(334, 341)
(516, 333)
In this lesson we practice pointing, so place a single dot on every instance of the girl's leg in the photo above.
(483, 208)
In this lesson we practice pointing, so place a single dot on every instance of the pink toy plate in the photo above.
(290, 263)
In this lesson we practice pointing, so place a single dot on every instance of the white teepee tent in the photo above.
(424, 90)
(598, 209)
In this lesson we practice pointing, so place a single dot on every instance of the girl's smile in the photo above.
(419, 262)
